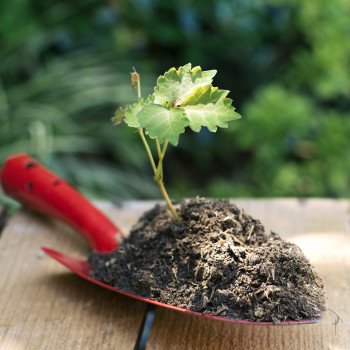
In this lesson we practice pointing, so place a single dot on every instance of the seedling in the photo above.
(183, 98)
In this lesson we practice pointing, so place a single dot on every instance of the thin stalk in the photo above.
(166, 142)
(161, 152)
(159, 179)
(168, 201)
(139, 89)
(148, 150)
(135, 77)
(158, 147)
(158, 170)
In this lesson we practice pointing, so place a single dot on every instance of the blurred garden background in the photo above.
(64, 70)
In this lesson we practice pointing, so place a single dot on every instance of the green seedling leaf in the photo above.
(208, 106)
(204, 95)
(163, 123)
(183, 97)
(158, 100)
(130, 114)
(175, 85)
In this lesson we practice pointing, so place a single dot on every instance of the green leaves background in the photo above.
(64, 70)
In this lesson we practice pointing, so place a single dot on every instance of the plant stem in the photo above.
(148, 150)
(168, 201)
(166, 142)
(158, 147)
(139, 89)
(135, 77)
(158, 170)
(159, 173)
(158, 177)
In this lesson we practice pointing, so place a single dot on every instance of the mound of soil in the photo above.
(217, 260)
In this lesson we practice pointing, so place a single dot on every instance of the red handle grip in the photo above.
(24, 179)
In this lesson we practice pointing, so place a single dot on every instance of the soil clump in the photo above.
(217, 260)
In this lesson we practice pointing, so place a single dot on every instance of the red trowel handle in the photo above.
(24, 179)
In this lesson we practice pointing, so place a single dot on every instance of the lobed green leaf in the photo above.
(175, 85)
(208, 106)
(130, 114)
(211, 115)
(131, 111)
(163, 123)
(204, 95)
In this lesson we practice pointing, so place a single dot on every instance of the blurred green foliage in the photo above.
(64, 69)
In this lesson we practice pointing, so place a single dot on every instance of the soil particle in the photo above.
(217, 260)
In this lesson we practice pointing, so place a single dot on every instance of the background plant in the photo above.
(64, 70)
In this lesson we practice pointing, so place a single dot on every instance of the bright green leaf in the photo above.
(156, 99)
(175, 85)
(203, 95)
(207, 106)
(130, 114)
(163, 123)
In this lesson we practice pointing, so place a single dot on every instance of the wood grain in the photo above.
(44, 306)
(321, 228)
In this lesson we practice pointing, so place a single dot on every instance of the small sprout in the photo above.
(183, 98)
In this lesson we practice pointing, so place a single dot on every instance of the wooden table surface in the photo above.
(45, 306)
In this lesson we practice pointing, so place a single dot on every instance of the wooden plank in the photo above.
(321, 229)
(45, 306)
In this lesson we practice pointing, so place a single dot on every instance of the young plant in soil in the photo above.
(182, 98)
(206, 256)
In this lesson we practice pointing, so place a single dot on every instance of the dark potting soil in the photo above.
(217, 260)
